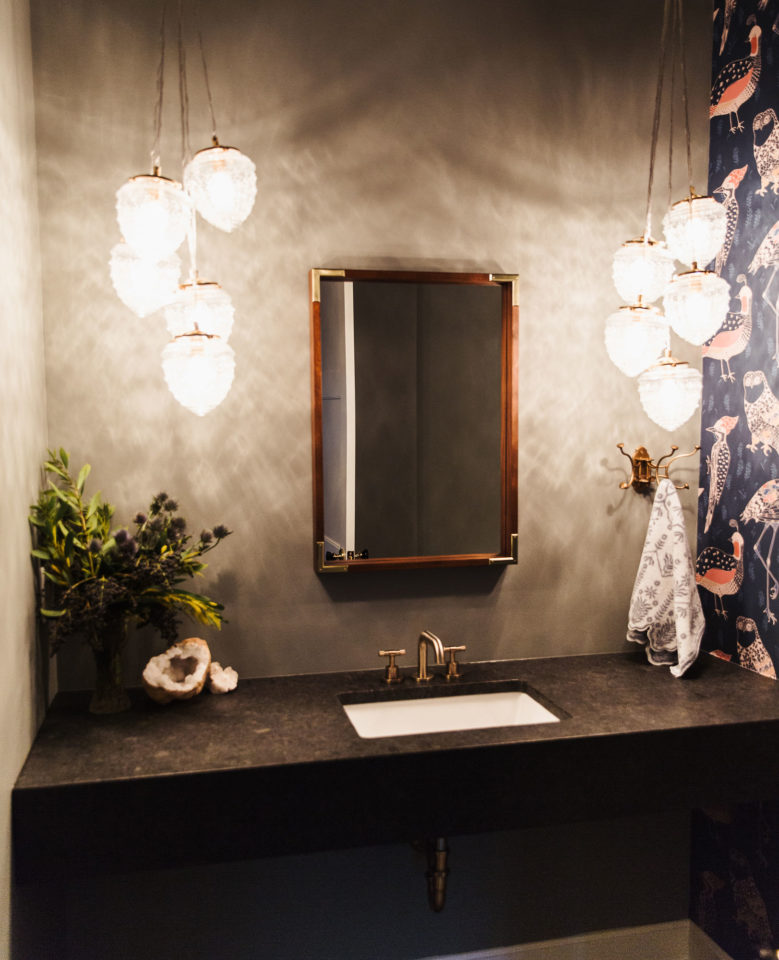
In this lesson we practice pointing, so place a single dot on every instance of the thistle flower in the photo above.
(140, 519)
(129, 546)
(206, 536)
(121, 537)
(170, 505)
(178, 524)
(221, 531)
(95, 545)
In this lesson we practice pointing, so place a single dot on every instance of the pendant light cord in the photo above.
(656, 119)
(183, 92)
(680, 17)
(214, 137)
(192, 249)
(185, 149)
(155, 150)
(671, 107)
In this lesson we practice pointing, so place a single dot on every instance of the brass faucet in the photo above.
(425, 638)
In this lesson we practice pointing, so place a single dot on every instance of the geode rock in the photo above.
(221, 679)
(178, 674)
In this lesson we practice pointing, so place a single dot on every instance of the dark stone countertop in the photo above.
(276, 767)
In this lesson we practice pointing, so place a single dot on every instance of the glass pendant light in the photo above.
(641, 270)
(153, 214)
(635, 338)
(670, 392)
(143, 285)
(201, 306)
(199, 370)
(696, 304)
(223, 184)
(695, 229)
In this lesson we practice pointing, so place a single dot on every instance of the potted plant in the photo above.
(102, 578)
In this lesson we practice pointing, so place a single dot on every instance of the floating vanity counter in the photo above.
(277, 767)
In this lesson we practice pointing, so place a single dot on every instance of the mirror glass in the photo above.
(414, 413)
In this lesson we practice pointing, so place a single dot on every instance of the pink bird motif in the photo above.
(736, 82)
(718, 463)
(733, 336)
(721, 573)
(728, 189)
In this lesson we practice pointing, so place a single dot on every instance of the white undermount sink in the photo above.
(439, 714)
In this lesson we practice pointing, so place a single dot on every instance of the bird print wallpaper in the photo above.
(734, 875)
(737, 566)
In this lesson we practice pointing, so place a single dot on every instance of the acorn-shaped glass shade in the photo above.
(202, 307)
(223, 184)
(199, 371)
(695, 230)
(635, 338)
(143, 285)
(154, 214)
(696, 304)
(641, 270)
(670, 393)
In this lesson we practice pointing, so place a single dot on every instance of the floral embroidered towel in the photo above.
(665, 609)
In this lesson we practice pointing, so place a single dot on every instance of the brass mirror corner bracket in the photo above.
(514, 558)
(644, 471)
(316, 286)
(513, 279)
(319, 561)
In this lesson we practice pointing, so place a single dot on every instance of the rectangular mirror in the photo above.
(414, 415)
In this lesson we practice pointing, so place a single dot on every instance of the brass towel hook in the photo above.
(644, 471)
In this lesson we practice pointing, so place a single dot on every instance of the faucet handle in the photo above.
(452, 673)
(392, 673)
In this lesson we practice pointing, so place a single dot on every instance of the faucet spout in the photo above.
(427, 638)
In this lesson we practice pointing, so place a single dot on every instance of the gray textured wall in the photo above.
(498, 135)
(22, 418)
(459, 135)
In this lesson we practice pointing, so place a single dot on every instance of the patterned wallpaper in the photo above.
(734, 875)
(738, 541)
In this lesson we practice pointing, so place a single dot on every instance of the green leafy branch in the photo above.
(98, 574)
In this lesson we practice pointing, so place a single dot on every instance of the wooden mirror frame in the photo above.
(509, 284)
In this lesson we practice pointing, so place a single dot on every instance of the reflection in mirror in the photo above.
(414, 415)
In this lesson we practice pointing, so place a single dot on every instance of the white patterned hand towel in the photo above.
(665, 609)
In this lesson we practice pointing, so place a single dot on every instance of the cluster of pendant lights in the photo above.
(155, 216)
(696, 300)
